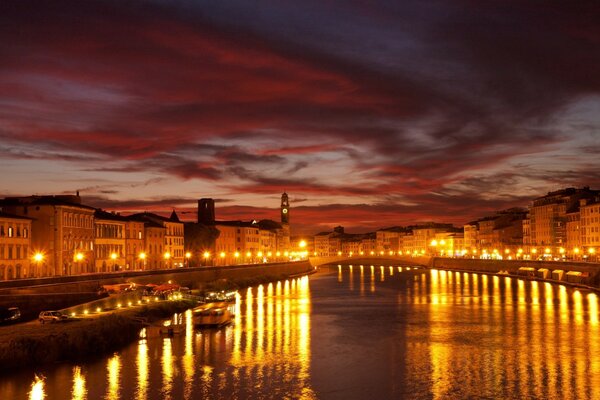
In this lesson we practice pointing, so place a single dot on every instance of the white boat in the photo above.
(213, 314)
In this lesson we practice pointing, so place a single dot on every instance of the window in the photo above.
(25, 233)
(10, 231)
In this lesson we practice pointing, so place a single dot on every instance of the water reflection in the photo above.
(79, 391)
(113, 367)
(362, 332)
(37, 389)
(495, 337)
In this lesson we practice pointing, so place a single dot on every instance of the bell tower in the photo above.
(285, 209)
(283, 239)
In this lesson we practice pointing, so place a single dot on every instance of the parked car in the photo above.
(10, 314)
(52, 316)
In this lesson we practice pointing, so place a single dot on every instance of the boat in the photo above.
(220, 296)
(169, 329)
(213, 315)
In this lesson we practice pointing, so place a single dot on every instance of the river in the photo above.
(358, 332)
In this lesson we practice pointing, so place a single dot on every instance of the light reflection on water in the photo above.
(408, 334)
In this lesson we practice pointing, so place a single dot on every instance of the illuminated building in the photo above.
(173, 243)
(109, 241)
(15, 249)
(62, 228)
(548, 215)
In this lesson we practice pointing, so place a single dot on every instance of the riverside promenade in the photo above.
(586, 274)
(34, 295)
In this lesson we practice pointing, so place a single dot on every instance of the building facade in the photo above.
(16, 257)
(62, 229)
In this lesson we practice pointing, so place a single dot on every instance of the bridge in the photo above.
(423, 261)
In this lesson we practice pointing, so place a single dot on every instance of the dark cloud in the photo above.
(440, 108)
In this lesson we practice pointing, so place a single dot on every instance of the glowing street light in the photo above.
(38, 257)
(236, 254)
(79, 256)
(113, 256)
(302, 244)
(222, 255)
(206, 255)
(142, 256)
(188, 255)
(167, 255)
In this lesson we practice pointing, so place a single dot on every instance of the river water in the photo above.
(358, 332)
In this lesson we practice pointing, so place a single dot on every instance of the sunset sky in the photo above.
(368, 114)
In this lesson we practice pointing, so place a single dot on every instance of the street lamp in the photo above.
(188, 255)
(38, 258)
(167, 257)
(113, 257)
(142, 257)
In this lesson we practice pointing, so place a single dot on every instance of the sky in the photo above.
(367, 113)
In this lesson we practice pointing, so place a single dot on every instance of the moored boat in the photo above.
(213, 314)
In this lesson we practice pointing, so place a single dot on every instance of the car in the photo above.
(52, 316)
(8, 315)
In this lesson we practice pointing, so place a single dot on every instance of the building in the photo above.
(471, 239)
(389, 239)
(62, 229)
(174, 244)
(368, 243)
(284, 243)
(590, 227)
(548, 216)
(135, 245)
(237, 242)
(154, 244)
(110, 249)
(16, 258)
(425, 234)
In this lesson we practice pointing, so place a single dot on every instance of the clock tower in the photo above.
(285, 209)
(283, 239)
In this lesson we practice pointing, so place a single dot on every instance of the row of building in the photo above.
(42, 236)
(559, 225)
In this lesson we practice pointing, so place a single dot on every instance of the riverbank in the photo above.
(524, 277)
(30, 344)
(25, 345)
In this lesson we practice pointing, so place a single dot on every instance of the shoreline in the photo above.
(27, 345)
(525, 278)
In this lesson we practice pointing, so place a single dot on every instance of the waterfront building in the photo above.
(135, 245)
(425, 234)
(62, 229)
(174, 243)
(500, 234)
(471, 239)
(368, 243)
(590, 227)
(16, 257)
(269, 231)
(548, 216)
(388, 239)
(154, 234)
(351, 246)
(109, 241)
(239, 242)
(321, 244)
